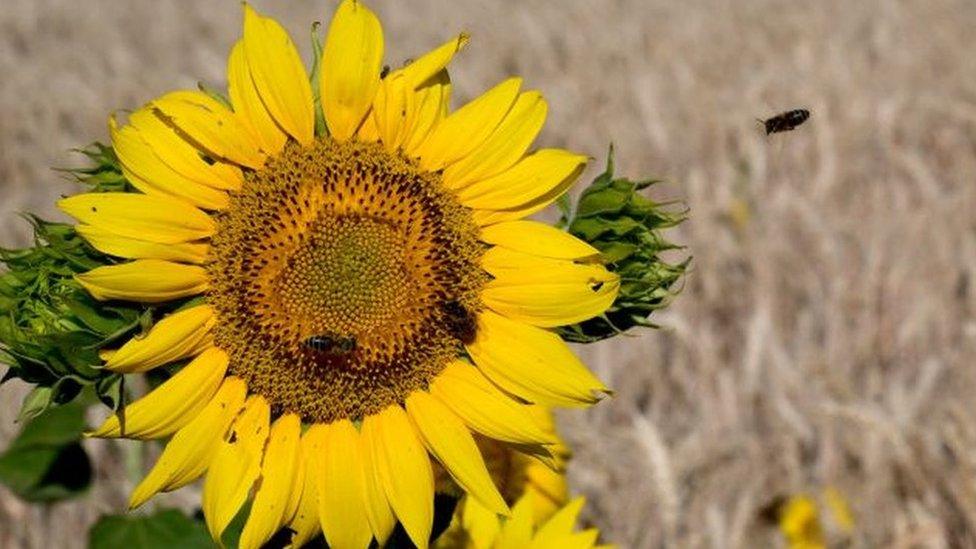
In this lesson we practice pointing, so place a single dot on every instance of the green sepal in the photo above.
(627, 227)
(320, 127)
(104, 172)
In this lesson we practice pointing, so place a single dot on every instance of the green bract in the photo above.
(51, 329)
(627, 228)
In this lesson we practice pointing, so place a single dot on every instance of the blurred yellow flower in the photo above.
(521, 531)
(802, 522)
(537, 480)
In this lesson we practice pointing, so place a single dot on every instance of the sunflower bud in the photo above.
(50, 328)
(627, 228)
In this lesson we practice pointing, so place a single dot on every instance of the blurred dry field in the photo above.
(826, 335)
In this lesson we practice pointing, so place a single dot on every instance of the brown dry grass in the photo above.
(826, 335)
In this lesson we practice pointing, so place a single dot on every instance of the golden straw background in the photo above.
(826, 334)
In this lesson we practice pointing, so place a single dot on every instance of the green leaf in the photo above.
(46, 461)
(162, 530)
(110, 390)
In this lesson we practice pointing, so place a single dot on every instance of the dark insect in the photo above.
(384, 71)
(786, 121)
(332, 344)
(773, 509)
(460, 321)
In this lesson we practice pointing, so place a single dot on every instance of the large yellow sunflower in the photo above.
(368, 291)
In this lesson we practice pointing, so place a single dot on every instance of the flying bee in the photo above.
(773, 509)
(331, 344)
(460, 321)
(786, 121)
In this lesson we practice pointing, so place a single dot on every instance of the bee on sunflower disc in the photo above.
(460, 321)
(329, 343)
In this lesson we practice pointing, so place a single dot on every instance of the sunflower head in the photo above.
(350, 299)
(365, 284)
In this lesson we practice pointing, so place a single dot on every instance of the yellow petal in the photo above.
(173, 404)
(177, 336)
(189, 453)
(433, 62)
(110, 243)
(151, 218)
(351, 64)
(404, 471)
(212, 126)
(532, 363)
(248, 105)
(585, 539)
(305, 522)
(530, 185)
(545, 502)
(368, 132)
(516, 532)
(391, 107)
(342, 508)
(546, 292)
(279, 476)
(181, 155)
(480, 523)
(466, 129)
(147, 172)
(504, 147)
(235, 466)
(485, 408)
(279, 75)
(533, 237)
(449, 440)
(144, 280)
(511, 265)
(562, 523)
(382, 521)
(430, 108)
(396, 104)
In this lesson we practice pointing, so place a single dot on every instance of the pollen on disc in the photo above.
(337, 273)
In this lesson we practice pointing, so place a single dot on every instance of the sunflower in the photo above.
(519, 476)
(349, 280)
